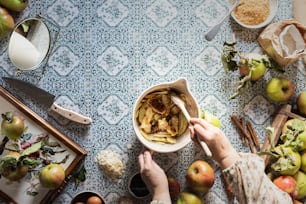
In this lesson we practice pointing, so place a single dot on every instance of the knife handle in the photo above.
(71, 115)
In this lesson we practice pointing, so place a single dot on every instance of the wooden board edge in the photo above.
(80, 152)
(278, 122)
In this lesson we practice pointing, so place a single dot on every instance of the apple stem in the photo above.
(7, 116)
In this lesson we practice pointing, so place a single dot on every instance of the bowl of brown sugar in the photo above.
(254, 13)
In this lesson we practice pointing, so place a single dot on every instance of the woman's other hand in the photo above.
(154, 177)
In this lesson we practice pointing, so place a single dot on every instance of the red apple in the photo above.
(200, 176)
(287, 184)
(188, 198)
(301, 103)
(174, 187)
(52, 176)
(279, 89)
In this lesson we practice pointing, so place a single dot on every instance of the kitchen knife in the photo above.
(47, 99)
(298, 8)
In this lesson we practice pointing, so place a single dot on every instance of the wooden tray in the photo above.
(278, 123)
(17, 192)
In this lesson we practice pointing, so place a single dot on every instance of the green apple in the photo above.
(209, 117)
(301, 141)
(188, 198)
(303, 161)
(300, 178)
(294, 134)
(288, 161)
(52, 176)
(12, 125)
(279, 89)
(200, 176)
(296, 124)
(14, 5)
(10, 168)
(6, 22)
(254, 63)
(301, 103)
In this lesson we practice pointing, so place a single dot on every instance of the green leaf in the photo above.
(244, 85)
(7, 162)
(48, 150)
(32, 193)
(32, 149)
(79, 176)
(229, 56)
(32, 163)
(269, 153)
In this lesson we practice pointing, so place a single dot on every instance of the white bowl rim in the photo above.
(158, 147)
(273, 11)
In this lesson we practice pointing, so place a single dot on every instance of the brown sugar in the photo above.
(252, 12)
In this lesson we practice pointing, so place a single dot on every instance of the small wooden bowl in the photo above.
(83, 196)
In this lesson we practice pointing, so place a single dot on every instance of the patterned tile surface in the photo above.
(109, 51)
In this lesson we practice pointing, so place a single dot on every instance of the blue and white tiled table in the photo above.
(109, 51)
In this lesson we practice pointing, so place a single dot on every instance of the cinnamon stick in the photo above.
(253, 134)
(244, 132)
(242, 136)
(292, 115)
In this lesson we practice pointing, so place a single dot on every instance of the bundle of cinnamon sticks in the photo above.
(247, 136)
(247, 133)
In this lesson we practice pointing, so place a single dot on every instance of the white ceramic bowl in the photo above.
(180, 86)
(273, 11)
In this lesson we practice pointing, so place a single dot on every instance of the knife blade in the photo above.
(45, 98)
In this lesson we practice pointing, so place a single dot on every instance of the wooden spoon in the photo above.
(181, 105)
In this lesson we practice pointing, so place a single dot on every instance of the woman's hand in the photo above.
(154, 177)
(222, 150)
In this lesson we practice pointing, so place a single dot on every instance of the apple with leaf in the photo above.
(252, 66)
(14, 166)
